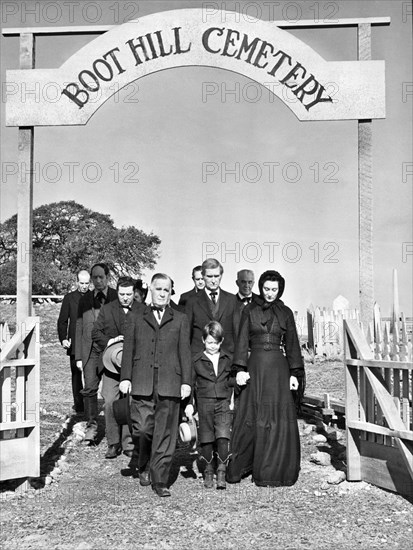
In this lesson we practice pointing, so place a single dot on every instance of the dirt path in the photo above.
(94, 504)
(91, 503)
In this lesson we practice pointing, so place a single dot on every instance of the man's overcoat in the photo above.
(148, 345)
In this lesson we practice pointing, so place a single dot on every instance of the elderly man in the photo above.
(199, 285)
(244, 296)
(87, 355)
(156, 369)
(109, 329)
(211, 304)
(66, 329)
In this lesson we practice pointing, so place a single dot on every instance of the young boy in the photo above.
(213, 381)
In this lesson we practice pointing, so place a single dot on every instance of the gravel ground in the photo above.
(85, 502)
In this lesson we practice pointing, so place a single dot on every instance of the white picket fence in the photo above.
(323, 329)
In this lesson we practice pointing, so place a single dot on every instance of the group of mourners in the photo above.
(232, 362)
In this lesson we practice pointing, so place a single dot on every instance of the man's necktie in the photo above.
(213, 295)
(246, 301)
(158, 310)
(101, 298)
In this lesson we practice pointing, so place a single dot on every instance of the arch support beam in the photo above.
(365, 190)
(25, 198)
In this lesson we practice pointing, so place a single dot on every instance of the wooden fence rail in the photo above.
(378, 415)
(20, 403)
(36, 298)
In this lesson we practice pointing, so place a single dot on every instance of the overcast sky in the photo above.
(207, 169)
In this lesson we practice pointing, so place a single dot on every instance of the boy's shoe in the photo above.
(209, 476)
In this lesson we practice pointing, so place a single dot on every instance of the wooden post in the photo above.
(352, 409)
(25, 198)
(365, 195)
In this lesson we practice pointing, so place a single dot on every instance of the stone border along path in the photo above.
(310, 433)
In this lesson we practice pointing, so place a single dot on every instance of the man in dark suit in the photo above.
(87, 356)
(109, 329)
(244, 296)
(199, 285)
(66, 329)
(156, 369)
(211, 304)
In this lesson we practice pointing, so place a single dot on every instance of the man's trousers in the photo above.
(154, 431)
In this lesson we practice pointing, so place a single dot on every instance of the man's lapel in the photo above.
(90, 309)
(149, 318)
(204, 303)
(168, 316)
(223, 302)
(221, 362)
(116, 307)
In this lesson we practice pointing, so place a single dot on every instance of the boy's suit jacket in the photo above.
(208, 384)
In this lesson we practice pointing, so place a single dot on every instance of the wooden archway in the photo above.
(264, 52)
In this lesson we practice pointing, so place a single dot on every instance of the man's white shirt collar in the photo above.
(155, 314)
(209, 293)
(214, 360)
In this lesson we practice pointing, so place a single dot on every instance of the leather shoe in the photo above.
(221, 484)
(209, 479)
(161, 491)
(145, 478)
(113, 451)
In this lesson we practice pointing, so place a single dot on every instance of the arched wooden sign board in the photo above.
(259, 50)
(322, 90)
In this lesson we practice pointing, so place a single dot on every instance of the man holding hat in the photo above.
(156, 369)
(107, 335)
(86, 355)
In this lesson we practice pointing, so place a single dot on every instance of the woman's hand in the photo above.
(293, 383)
(242, 378)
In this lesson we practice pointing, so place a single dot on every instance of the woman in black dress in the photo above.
(265, 438)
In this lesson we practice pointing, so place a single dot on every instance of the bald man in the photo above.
(66, 329)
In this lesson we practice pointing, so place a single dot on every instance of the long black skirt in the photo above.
(265, 439)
